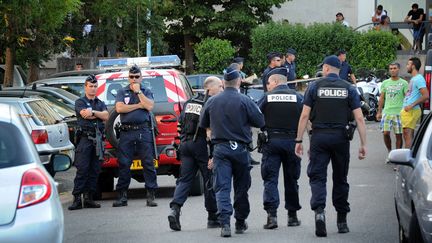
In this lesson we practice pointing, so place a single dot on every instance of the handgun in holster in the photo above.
(262, 139)
(117, 130)
(350, 129)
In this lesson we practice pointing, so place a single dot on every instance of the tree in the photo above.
(225, 19)
(213, 55)
(31, 26)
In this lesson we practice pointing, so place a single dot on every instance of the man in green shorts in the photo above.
(392, 95)
(417, 94)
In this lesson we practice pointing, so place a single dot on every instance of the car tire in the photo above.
(105, 183)
(109, 129)
(197, 185)
(414, 230)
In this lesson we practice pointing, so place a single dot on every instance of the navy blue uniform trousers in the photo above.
(136, 144)
(276, 152)
(194, 157)
(231, 163)
(88, 167)
(325, 146)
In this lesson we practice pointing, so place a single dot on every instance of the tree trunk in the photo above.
(189, 54)
(33, 73)
(9, 67)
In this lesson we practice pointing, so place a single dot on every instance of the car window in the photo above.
(186, 85)
(10, 139)
(41, 113)
(155, 84)
(76, 89)
(418, 137)
(66, 94)
(62, 109)
(195, 82)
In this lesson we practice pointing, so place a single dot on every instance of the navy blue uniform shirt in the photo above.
(263, 101)
(127, 96)
(265, 77)
(96, 105)
(291, 70)
(309, 100)
(345, 71)
(230, 115)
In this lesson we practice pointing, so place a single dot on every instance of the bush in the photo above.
(213, 55)
(318, 40)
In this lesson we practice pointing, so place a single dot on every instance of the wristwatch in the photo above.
(93, 113)
(139, 92)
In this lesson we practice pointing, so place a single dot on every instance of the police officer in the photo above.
(194, 156)
(231, 134)
(91, 112)
(291, 65)
(281, 107)
(134, 103)
(330, 104)
(275, 60)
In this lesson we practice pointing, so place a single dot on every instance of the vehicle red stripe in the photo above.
(100, 89)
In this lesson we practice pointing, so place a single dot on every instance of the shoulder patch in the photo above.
(282, 98)
(338, 93)
(193, 108)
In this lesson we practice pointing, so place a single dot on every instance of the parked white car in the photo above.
(30, 208)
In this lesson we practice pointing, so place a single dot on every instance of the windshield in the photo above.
(10, 139)
(41, 113)
(155, 84)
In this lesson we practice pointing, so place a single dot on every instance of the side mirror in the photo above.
(401, 157)
(60, 162)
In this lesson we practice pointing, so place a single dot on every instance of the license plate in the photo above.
(136, 164)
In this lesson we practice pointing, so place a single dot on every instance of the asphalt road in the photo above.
(372, 217)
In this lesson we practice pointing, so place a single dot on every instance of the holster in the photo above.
(117, 130)
(177, 148)
(350, 129)
(78, 134)
(262, 139)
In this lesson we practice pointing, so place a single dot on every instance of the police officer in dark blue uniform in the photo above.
(134, 103)
(275, 60)
(291, 65)
(281, 107)
(230, 116)
(194, 156)
(91, 112)
(330, 104)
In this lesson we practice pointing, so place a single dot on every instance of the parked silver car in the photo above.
(49, 133)
(30, 208)
(413, 193)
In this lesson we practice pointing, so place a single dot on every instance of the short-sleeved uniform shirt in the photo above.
(137, 116)
(345, 71)
(230, 116)
(310, 99)
(94, 104)
(417, 82)
(394, 95)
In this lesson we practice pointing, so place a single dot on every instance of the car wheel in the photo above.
(113, 120)
(105, 183)
(197, 185)
(414, 230)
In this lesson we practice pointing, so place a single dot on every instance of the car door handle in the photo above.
(169, 120)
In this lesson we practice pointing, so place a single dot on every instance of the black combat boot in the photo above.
(212, 221)
(174, 218)
(88, 201)
(226, 230)
(151, 198)
(292, 219)
(271, 221)
(320, 225)
(240, 226)
(77, 203)
(342, 223)
(121, 199)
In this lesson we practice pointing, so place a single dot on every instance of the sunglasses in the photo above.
(134, 76)
(277, 60)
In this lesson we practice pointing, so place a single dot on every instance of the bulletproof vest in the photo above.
(192, 113)
(281, 111)
(331, 102)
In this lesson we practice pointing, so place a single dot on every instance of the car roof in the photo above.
(85, 72)
(18, 99)
(43, 89)
(59, 80)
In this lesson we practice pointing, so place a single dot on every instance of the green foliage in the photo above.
(374, 49)
(213, 55)
(318, 40)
